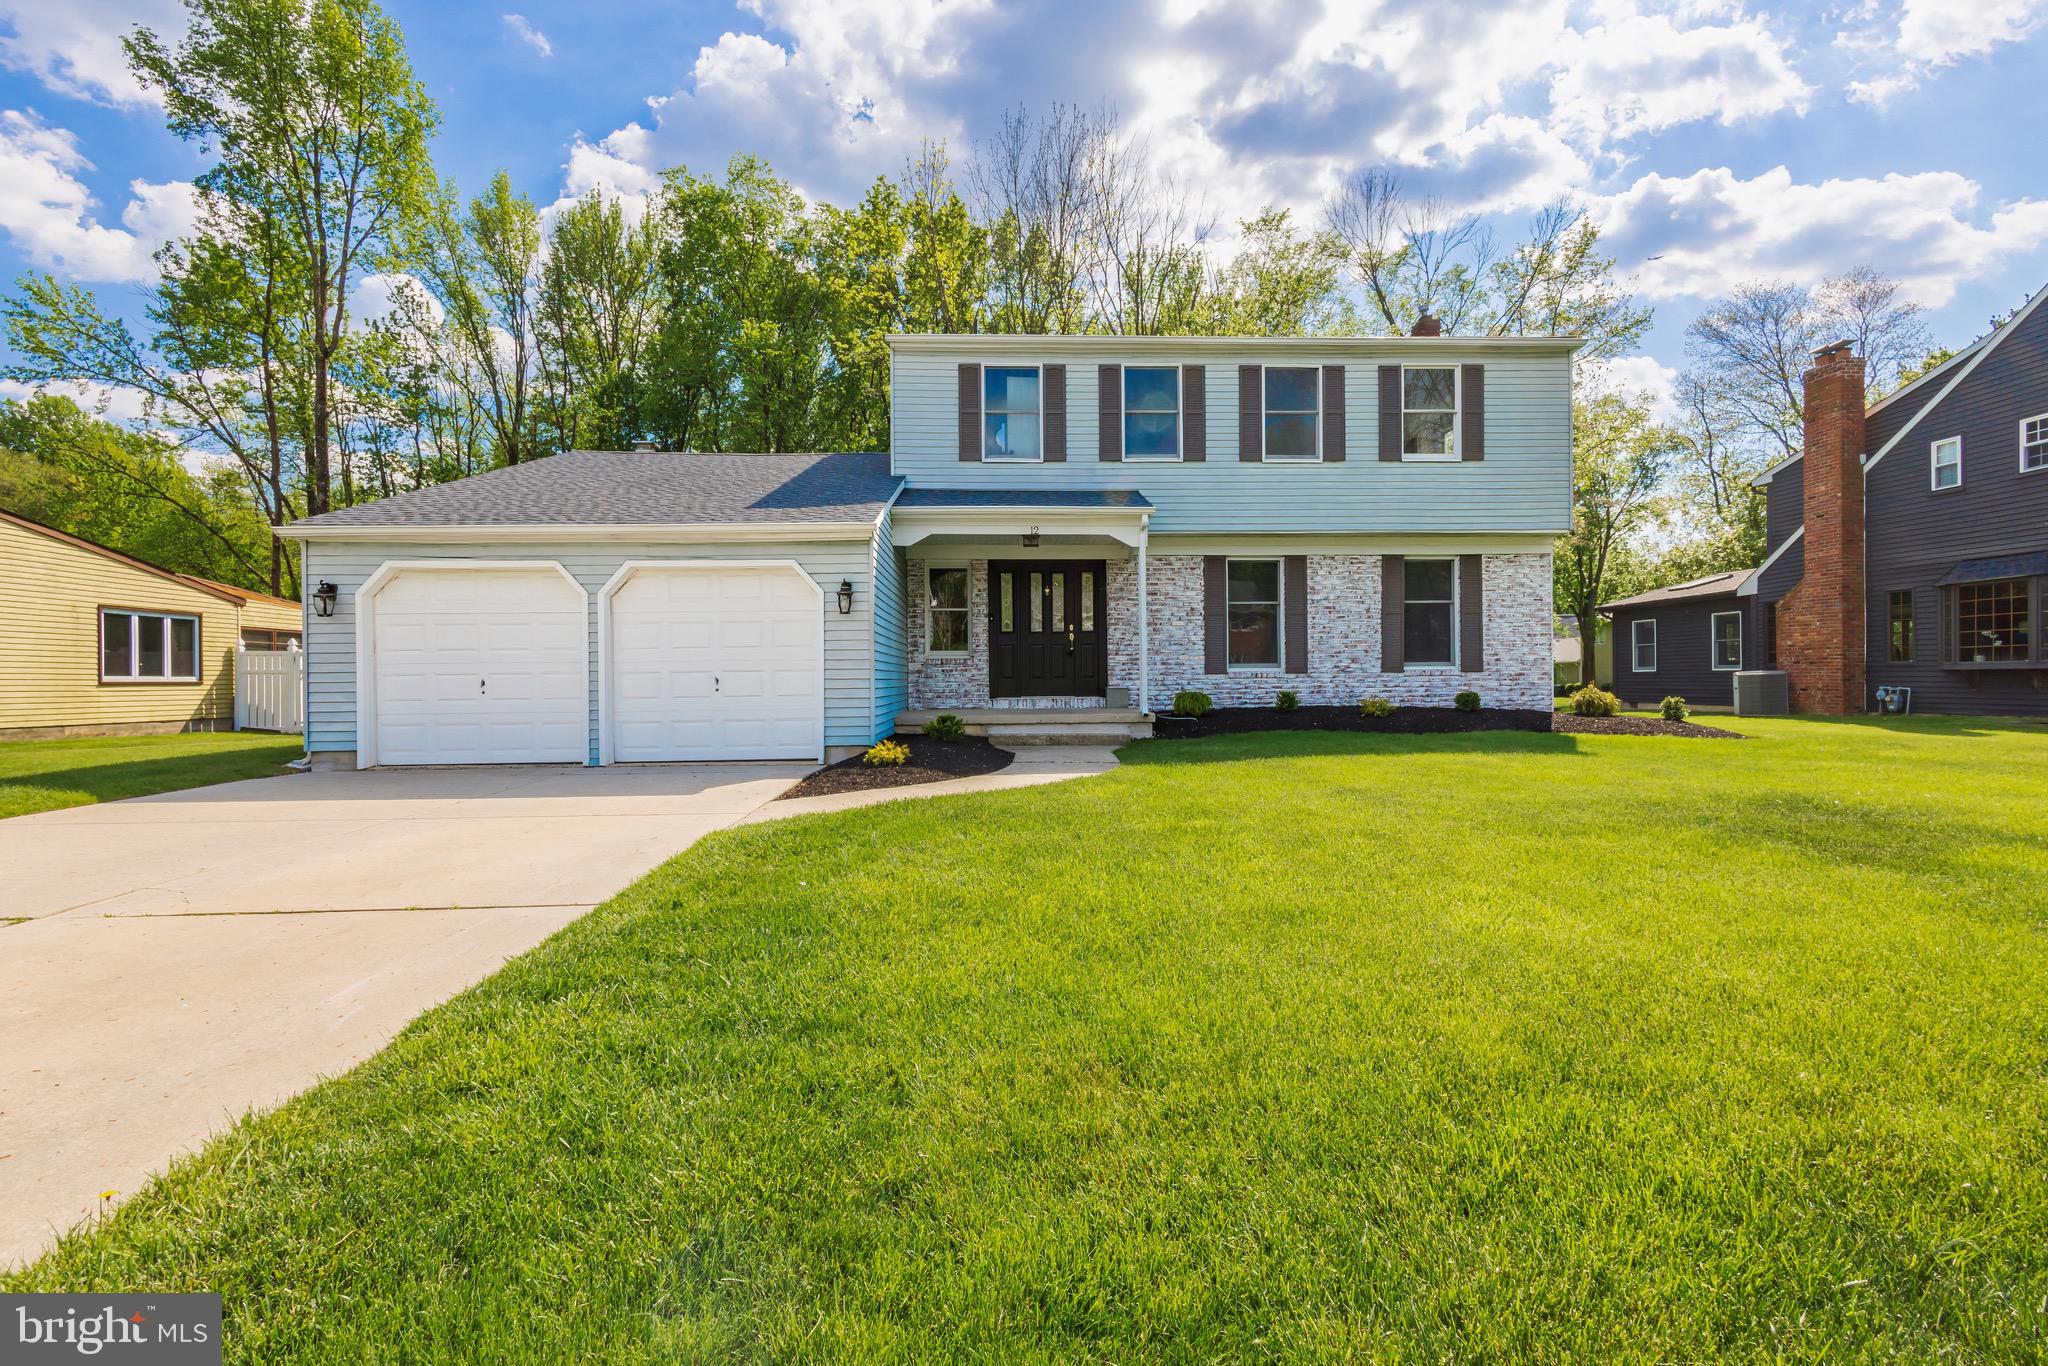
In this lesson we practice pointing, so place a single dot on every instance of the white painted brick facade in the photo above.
(1344, 638)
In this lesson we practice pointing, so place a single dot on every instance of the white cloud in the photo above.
(115, 404)
(1637, 375)
(49, 213)
(74, 46)
(526, 33)
(1931, 34)
(1711, 230)
(376, 297)
(1639, 73)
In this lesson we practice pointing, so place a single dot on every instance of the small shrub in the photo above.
(887, 754)
(945, 726)
(1674, 709)
(1189, 702)
(1595, 701)
(1375, 706)
(1466, 701)
(1288, 700)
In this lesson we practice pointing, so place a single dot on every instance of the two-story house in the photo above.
(1060, 524)
(1909, 538)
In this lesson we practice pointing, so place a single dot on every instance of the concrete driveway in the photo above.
(184, 958)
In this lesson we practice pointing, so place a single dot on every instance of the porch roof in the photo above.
(1102, 499)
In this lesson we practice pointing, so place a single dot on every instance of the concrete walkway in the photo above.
(1033, 765)
(190, 956)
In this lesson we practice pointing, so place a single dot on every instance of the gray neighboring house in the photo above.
(1683, 641)
(1062, 525)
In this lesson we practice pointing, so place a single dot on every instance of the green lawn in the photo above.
(43, 775)
(1476, 1047)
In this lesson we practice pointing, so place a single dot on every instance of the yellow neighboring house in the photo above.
(94, 642)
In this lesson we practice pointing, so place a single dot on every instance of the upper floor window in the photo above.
(1992, 622)
(1252, 589)
(1898, 613)
(1429, 609)
(1010, 420)
(1293, 413)
(2034, 443)
(1429, 412)
(1726, 632)
(1947, 457)
(1642, 644)
(946, 612)
(148, 647)
(1151, 412)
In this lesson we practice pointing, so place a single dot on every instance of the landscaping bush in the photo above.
(1189, 702)
(1375, 706)
(887, 754)
(1467, 700)
(1288, 700)
(1674, 709)
(1592, 700)
(945, 726)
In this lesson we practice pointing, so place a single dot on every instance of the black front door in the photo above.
(1048, 628)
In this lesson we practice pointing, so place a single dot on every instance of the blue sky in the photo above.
(1726, 140)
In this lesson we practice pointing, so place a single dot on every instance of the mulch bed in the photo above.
(1568, 724)
(1404, 721)
(931, 761)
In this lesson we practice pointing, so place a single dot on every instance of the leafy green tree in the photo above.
(1619, 460)
(598, 313)
(946, 274)
(483, 267)
(1282, 282)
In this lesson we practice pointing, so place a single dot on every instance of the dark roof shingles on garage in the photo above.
(643, 488)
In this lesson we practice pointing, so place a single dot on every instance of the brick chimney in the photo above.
(1428, 325)
(1821, 637)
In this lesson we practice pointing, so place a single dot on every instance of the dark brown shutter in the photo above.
(1390, 412)
(1054, 398)
(1215, 621)
(970, 412)
(1333, 413)
(1194, 413)
(1109, 412)
(1472, 414)
(1393, 619)
(1251, 415)
(1294, 607)
(1471, 614)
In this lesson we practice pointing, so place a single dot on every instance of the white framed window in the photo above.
(2034, 443)
(1012, 425)
(1429, 412)
(1429, 614)
(1642, 646)
(1293, 428)
(945, 624)
(1251, 605)
(1725, 630)
(1152, 400)
(148, 647)
(1946, 460)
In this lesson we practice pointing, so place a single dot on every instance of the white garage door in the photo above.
(714, 663)
(481, 666)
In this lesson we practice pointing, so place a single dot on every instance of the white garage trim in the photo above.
(605, 652)
(366, 632)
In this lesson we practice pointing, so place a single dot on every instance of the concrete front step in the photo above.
(1071, 733)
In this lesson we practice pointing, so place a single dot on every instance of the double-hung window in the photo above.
(1011, 424)
(1946, 457)
(1151, 412)
(148, 647)
(1642, 645)
(1725, 629)
(1252, 592)
(1429, 412)
(1429, 611)
(946, 612)
(2034, 443)
(1293, 413)
(1898, 613)
(1993, 622)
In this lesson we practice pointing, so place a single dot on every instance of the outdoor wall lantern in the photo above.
(323, 598)
(845, 596)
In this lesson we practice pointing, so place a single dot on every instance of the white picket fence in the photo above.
(270, 689)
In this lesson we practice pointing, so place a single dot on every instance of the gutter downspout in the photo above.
(1144, 622)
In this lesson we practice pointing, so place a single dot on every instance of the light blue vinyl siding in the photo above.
(849, 640)
(1523, 484)
(892, 684)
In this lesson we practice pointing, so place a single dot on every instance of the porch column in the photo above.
(1144, 630)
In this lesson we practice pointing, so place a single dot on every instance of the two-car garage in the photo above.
(501, 662)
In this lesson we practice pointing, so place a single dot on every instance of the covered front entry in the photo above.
(1048, 628)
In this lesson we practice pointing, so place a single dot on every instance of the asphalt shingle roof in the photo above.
(1721, 585)
(1018, 498)
(642, 488)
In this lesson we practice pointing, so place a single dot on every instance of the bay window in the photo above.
(1993, 622)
